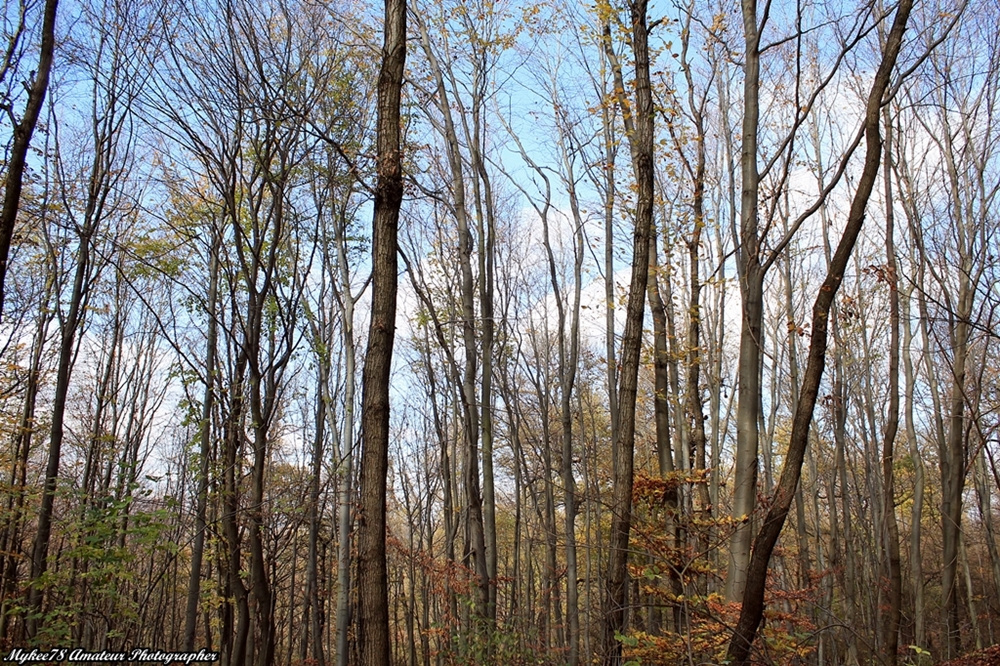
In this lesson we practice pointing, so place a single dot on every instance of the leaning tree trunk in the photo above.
(22, 140)
(752, 610)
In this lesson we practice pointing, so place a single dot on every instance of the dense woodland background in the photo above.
(187, 298)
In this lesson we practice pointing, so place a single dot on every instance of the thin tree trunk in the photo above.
(661, 413)
(312, 607)
(345, 451)
(475, 542)
(953, 459)
(916, 511)
(487, 257)
(793, 376)
(17, 161)
(67, 347)
(661, 382)
(610, 297)
(639, 129)
(970, 595)
(234, 638)
(752, 609)
(568, 357)
(200, 525)
(891, 528)
(985, 498)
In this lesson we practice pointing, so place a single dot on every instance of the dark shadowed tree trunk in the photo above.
(22, 139)
(639, 128)
(373, 590)
(205, 440)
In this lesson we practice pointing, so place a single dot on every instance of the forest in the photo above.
(440, 332)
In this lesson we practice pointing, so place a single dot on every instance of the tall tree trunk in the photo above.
(793, 378)
(67, 353)
(752, 609)
(234, 638)
(953, 457)
(260, 582)
(639, 129)
(953, 481)
(661, 413)
(891, 528)
(610, 297)
(475, 542)
(312, 604)
(696, 171)
(569, 351)
(751, 277)
(486, 231)
(205, 437)
(916, 512)
(373, 591)
(345, 451)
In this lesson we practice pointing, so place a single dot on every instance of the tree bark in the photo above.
(917, 510)
(345, 453)
(373, 591)
(752, 609)
(639, 128)
(751, 277)
(22, 140)
(205, 437)
(891, 528)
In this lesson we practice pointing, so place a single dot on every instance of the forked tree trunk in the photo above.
(475, 542)
(752, 610)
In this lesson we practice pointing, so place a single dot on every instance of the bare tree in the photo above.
(753, 598)
(115, 83)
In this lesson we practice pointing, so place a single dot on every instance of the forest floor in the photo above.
(988, 657)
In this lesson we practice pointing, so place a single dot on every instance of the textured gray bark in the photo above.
(751, 278)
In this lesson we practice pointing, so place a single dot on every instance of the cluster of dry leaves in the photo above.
(988, 657)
